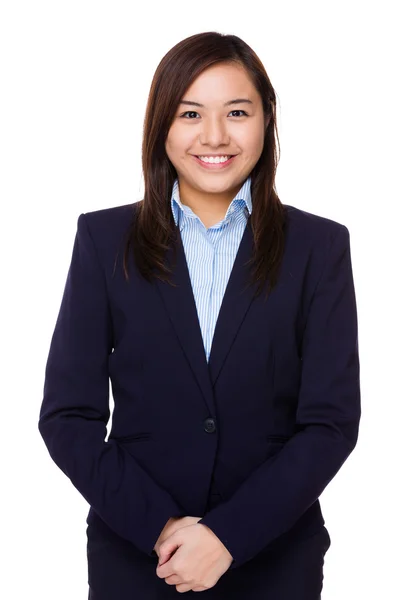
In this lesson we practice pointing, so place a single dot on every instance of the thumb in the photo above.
(167, 549)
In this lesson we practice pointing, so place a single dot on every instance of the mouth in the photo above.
(215, 165)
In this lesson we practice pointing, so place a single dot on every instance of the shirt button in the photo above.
(209, 425)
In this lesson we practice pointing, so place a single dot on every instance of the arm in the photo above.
(75, 409)
(272, 499)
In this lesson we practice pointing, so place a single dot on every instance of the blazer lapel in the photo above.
(180, 305)
(236, 301)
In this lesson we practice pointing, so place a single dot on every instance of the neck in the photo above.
(207, 205)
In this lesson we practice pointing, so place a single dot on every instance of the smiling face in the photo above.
(208, 122)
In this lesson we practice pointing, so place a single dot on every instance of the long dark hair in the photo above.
(153, 228)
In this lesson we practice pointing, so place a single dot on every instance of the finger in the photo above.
(166, 558)
(166, 553)
(163, 560)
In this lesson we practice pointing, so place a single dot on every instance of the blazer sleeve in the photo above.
(75, 409)
(275, 495)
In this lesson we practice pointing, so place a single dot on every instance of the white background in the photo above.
(75, 77)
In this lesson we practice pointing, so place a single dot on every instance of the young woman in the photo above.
(229, 334)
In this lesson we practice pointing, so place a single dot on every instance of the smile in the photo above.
(215, 163)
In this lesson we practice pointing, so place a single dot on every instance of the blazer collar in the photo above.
(182, 212)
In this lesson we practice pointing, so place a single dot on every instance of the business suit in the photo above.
(247, 440)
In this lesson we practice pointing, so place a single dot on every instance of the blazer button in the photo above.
(209, 425)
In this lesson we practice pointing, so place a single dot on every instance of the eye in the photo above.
(240, 111)
(188, 112)
(196, 113)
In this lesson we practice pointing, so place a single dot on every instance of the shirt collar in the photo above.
(179, 209)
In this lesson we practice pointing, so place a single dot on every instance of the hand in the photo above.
(171, 526)
(199, 558)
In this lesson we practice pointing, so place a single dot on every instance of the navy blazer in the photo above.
(272, 416)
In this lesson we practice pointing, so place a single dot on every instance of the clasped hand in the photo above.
(191, 556)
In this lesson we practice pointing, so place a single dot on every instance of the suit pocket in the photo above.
(275, 438)
(135, 437)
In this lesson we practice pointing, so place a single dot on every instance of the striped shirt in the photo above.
(210, 253)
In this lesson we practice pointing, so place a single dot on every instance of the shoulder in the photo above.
(312, 232)
(108, 227)
(106, 221)
(314, 241)
(302, 222)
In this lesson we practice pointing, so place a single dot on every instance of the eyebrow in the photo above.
(236, 101)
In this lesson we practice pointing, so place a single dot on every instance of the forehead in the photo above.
(219, 84)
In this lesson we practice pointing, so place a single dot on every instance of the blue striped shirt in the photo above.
(210, 253)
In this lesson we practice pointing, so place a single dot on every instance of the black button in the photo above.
(209, 425)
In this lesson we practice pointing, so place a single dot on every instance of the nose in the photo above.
(214, 133)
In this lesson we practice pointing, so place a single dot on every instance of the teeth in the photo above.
(214, 159)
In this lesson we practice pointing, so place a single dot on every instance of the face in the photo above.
(216, 125)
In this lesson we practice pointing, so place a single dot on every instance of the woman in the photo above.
(229, 334)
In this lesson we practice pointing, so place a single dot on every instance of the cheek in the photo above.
(169, 148)
(253, 135)
(254, 146)
(253, 140)
(178, 146)
(174, 140)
